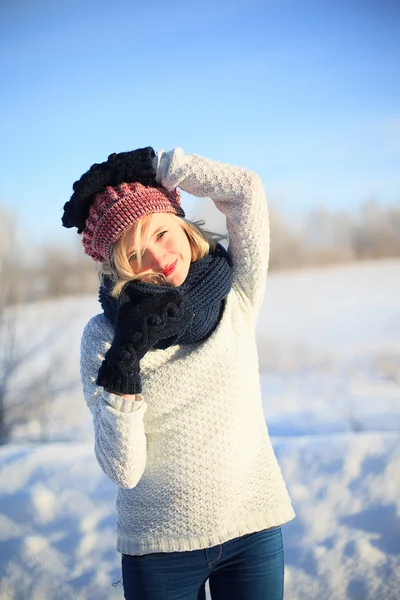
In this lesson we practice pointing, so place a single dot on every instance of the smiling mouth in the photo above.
(169, 269)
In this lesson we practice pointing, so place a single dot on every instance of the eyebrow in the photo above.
(131, 251)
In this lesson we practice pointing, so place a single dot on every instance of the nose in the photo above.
(155, 259)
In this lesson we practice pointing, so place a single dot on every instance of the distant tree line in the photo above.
(324, 237)
(328, 237)
(29, 273)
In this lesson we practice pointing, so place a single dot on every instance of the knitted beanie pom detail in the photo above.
(117, 208)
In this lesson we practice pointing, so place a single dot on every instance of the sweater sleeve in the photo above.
(119, 436)
(239, 194)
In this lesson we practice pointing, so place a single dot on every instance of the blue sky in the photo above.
(306, 93)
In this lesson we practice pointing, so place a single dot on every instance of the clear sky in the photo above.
(307, 93)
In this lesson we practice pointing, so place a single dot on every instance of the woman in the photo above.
(170, 374)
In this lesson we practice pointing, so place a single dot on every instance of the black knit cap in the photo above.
(124, 167)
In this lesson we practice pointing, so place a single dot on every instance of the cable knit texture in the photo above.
(138, 329)
(192, 456)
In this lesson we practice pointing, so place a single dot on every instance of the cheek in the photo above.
(182, 246)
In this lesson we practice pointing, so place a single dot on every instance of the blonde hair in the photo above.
(119, 268)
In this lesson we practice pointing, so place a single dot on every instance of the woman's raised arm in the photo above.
(239, 194)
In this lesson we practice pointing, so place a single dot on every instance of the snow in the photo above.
(330, 374)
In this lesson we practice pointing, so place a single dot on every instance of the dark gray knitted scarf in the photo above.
(208, 282)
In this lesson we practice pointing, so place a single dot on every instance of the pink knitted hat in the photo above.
(117, 208)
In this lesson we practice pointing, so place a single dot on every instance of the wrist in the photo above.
(131, 397)
(121, 403)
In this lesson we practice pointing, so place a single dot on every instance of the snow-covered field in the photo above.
(329, 344)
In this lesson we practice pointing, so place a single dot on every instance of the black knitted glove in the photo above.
(137, 329)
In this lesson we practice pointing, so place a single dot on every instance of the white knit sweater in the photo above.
(192, 457)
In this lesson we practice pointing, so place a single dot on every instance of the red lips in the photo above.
(170, 269)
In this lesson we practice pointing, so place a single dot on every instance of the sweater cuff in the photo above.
(122, 404)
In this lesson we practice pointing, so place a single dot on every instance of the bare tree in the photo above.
(33, 401)
(26, 393)
(9, 293)
(18, 406)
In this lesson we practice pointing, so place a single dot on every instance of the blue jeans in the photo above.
(249, 567)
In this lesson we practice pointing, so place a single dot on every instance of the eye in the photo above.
(133, 257)
(161, 234)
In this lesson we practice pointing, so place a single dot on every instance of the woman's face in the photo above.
(167, 250)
